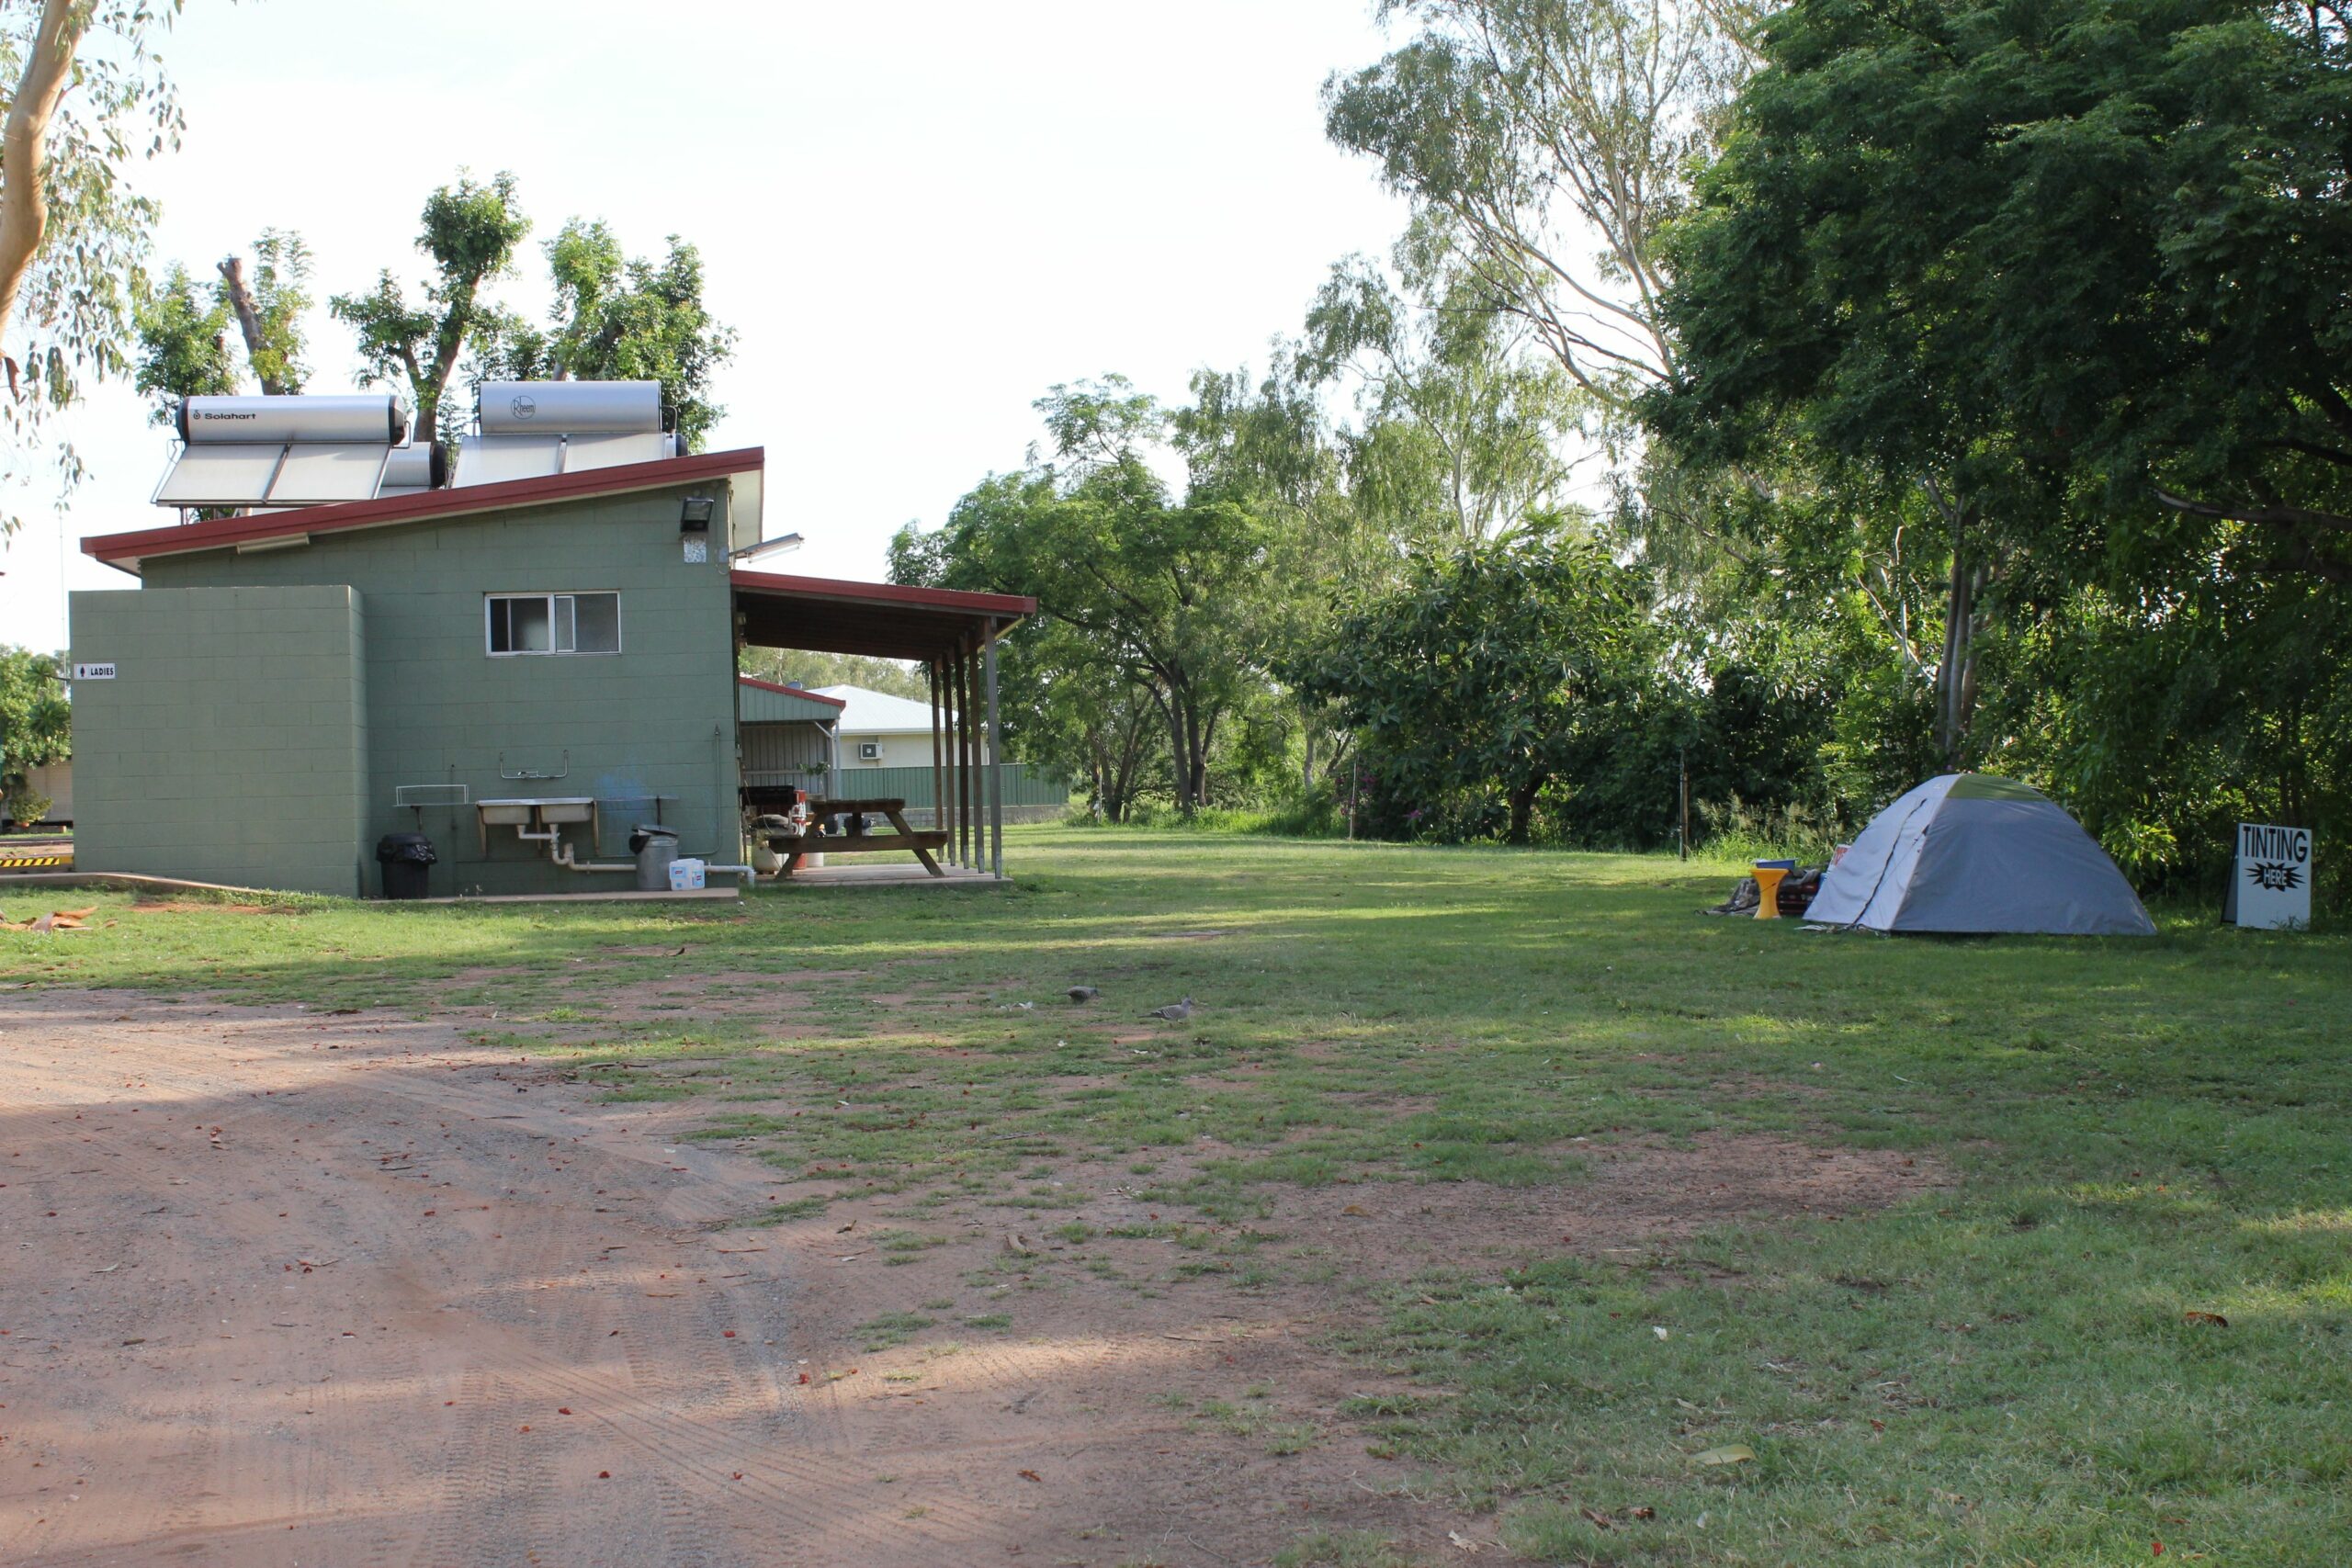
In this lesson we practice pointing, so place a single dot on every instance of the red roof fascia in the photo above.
(884, 594)
(793, 690)
(227, 532)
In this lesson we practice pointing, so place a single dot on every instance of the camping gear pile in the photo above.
(1796, 891)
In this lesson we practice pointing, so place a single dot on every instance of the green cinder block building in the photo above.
(286, 688)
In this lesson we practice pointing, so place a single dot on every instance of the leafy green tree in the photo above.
(619, 319)
(183, 343)
(2077, 273)
(184, 327)
(2123, 229)
(1083, 716)
(1136, 586)
(1820, 307)
(468, 231)
(2164, 719)
(1483, 677)
(36, 727)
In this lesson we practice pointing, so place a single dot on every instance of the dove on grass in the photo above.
(1083, 993)
(1174, 1013)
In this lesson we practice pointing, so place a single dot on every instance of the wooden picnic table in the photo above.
(792, 846)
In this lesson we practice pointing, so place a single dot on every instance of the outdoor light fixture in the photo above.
(781, 542)
(694, 517)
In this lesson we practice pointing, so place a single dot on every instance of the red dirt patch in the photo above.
(1638, 1196)
(1149, 1384)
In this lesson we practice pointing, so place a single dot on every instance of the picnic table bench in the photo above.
(793, 846)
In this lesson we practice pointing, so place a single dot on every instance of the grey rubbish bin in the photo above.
(655, 847)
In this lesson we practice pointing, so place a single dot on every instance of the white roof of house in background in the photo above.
(879, 712)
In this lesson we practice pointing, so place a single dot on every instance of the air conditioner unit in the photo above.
(869, 750)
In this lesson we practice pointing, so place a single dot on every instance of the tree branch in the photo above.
(2275, 516)
(240, 300)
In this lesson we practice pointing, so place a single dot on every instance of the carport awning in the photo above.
(877, 620)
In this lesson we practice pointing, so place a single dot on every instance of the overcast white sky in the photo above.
(917, 216)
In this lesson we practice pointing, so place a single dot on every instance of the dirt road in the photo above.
(283, 1288)
(286, 1289)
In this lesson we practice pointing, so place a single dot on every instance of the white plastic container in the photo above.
(686, 875)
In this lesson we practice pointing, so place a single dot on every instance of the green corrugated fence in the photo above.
(1023, 786)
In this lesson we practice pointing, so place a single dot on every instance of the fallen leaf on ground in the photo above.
(1599, 1521)
(2215, 1318)
(1357, 1209)
(1730, 1453)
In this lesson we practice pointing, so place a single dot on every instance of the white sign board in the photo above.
(93, 672)
(2270, 880)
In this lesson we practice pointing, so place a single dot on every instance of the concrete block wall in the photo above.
(656, 720)
(232, 743)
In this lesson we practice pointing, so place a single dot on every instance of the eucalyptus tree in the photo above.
(1461, 431)
(74, 234)
(1544, 145)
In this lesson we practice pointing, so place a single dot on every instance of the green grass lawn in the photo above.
(2003, 1372)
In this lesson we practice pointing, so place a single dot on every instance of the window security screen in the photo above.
(553, 623)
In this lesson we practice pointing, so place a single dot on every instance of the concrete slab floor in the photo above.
(630, 896)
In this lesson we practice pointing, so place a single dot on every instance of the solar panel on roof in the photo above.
(491, 459)
(318, 475)
(226, 474)
(581, 453)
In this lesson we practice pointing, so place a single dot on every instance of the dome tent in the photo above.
(1970, 852)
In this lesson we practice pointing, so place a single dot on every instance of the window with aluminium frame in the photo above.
(524, 624)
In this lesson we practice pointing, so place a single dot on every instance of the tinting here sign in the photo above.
(2270, 879)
